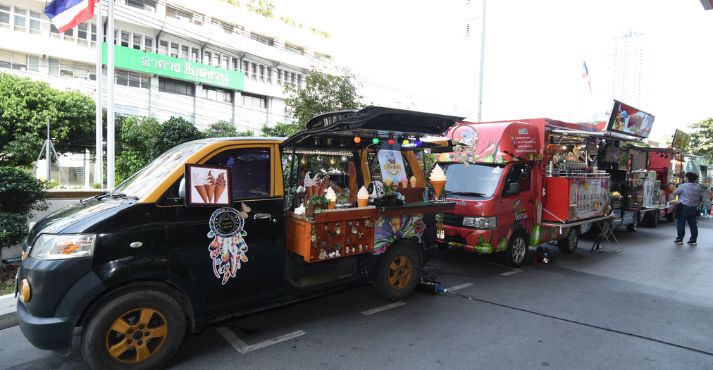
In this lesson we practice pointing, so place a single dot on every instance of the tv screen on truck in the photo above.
(680, 140)
(629, 120)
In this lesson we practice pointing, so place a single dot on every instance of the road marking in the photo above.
(244, 348)
(382, 308)
(513, 272)
(459, 287)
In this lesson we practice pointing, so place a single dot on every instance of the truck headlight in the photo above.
(481, 222)
(55, 247)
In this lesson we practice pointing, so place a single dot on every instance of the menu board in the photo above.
(392, 166)
(629, 120)
(590, 195)
(681, 140)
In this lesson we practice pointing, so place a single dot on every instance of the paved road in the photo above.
(642, 304)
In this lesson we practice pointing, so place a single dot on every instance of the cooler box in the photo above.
(572, 199)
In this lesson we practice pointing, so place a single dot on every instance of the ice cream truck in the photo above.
(222, 227)
(521, 183)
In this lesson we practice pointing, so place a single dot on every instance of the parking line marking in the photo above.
(513, 272)
(459, 287)
(382, 308)
(244, 348)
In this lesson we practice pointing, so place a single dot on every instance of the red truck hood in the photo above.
(469, 207)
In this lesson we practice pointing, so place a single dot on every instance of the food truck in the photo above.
(635, 190)
(222, 227)
(668, 166)
(521, 183)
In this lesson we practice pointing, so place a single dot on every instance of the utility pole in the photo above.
(110, 96)
(99, 162)
(482, 62)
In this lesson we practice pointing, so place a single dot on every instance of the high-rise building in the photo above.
(206, 61)
(631, 64)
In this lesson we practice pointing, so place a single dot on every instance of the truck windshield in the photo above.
(475, 179)
(144, 181)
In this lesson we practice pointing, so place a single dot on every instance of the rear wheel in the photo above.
(516, 252)
(399, 270)
(138, 329)
(569, 244)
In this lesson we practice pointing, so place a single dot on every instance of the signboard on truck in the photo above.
(680, 140)
(628, 120)
(496, 142)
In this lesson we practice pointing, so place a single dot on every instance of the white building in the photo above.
(203, 60)
(631, 64)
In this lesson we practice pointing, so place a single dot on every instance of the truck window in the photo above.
(250, 171)
(520, 174)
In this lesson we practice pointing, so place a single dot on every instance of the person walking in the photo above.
(689, 194)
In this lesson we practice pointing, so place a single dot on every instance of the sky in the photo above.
(415, 54)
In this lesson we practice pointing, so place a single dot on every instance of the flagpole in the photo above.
(110, 97)
(482, 62)
(99, 163)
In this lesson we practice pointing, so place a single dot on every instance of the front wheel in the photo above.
(138, 329)
(516, 252)
(569, 244)
(399, 270)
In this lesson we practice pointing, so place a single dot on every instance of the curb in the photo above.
(8, 311)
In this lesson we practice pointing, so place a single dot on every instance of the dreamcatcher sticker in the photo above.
(228, 249)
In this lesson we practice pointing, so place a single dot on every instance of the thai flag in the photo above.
(65, 14)
(585, 74)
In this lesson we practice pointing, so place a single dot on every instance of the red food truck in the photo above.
(521, 183)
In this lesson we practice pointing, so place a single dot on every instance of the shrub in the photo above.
(20, 192)
(13, 228)
(174, 131)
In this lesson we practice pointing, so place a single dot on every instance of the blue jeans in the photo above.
(687, 214)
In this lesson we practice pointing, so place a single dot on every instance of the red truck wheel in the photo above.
(516, 251)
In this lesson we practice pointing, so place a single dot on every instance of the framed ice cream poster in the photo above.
(208, 186)
(392, 167)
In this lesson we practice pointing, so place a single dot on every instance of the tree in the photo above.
(322, 93)
(280, 130)
(20, 195)
(174, 131)
(702, 138)
(25, 108)
(137, 145)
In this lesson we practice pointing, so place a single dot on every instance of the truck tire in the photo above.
(399, 271)
(516, 253)
(568, 245)
(137, 329)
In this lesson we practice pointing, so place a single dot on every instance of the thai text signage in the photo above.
(181, 69)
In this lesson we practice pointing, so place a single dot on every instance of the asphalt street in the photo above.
(641, 304)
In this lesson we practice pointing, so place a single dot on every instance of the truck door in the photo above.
(518, 205)
(259, 264)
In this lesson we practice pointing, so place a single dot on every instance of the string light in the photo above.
(375, 140)
(418, 142)
(357, 139)
(405, 142)
(391, 140)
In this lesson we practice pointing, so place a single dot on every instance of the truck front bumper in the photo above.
(53, 333)
(473, 240)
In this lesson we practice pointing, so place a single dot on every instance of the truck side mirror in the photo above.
(513, 188)
(182, 188)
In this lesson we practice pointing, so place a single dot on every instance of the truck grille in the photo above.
(452, 220)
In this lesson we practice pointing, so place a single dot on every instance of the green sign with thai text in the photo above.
(180, 69)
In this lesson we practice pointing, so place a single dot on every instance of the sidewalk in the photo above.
(8, 311)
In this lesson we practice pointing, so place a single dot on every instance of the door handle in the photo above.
(262, 216)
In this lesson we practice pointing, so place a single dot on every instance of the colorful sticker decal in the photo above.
(228, 248)
(391, 229)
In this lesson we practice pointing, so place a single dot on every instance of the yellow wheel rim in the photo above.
(400, 272)
(136, 335)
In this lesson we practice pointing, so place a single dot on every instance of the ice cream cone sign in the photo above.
(207, 186)
(438, 180)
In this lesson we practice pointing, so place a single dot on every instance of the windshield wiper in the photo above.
(473, 193)
(117, 195)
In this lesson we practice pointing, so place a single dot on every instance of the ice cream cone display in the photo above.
(202, 192)
(210, 187)
(404, 183)
(438, 180)
(219, 187)
(331, 198)
(308, 186)
(363, 197)
(413, 181)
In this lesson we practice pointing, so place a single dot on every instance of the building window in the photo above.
(20, 19)
(132, 79)
(176, 87)
(137, 41)
(207, 57)
(279, 76)
(185, 52)
(174, 50)
(12, 60)
(235, 65)
(69, 35)
(148, 44)
(216, 94)
(194, 55)
(178, 14)
(323, 57)
(4, 16)
(299, 80)
(163, 47)
(82, 33)
(294, 48)
(269, 74)
(34, 22)
(148, 5)
(253, 71)
(70, 69)
(263, 39)
(255, 101)
(224, 63)
(262, 73)
(246, 67)
(94, 32)
(33, 63)
(124, 39)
